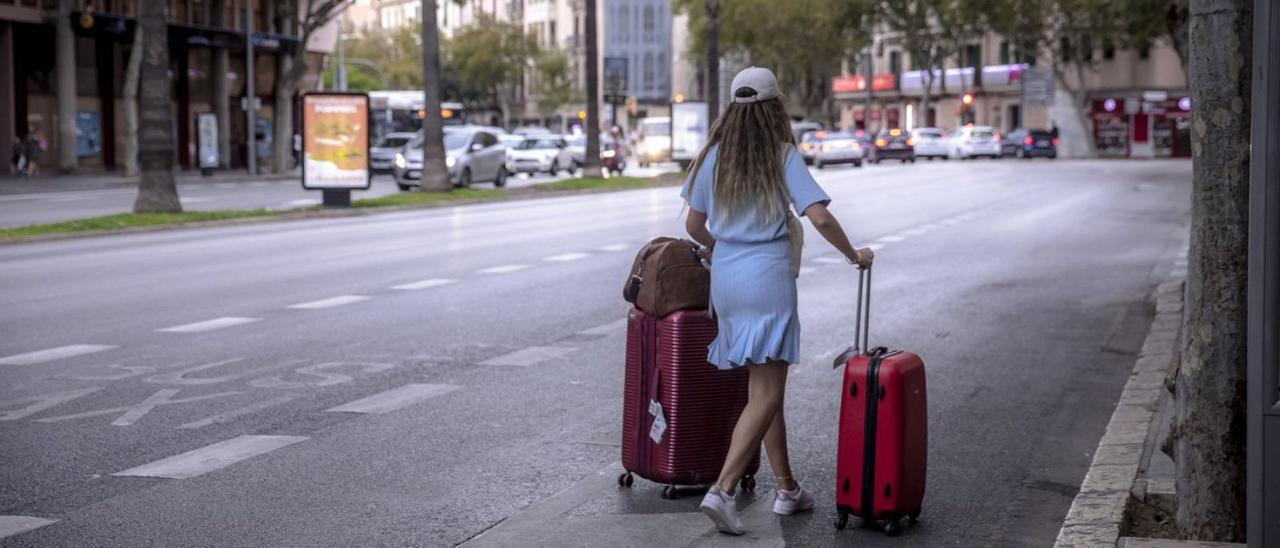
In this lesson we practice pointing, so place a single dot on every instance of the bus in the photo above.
(401, 111)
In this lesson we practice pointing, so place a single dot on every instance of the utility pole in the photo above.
(713, 60)
(340, 75)
(251, 122)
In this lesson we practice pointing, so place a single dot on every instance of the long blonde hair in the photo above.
(750, 168)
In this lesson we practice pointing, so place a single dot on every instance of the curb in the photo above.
(1097, 514)
(526, 193)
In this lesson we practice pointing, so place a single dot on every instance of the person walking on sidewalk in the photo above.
(19, 163)
(31, 153)
(738, 193)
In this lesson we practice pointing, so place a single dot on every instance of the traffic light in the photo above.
(967, 99)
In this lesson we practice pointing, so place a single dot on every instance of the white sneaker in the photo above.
(723, 510)
(790, 502)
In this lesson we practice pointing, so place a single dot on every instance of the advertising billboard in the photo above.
(335, 141)
(207, 140)
(689, 126)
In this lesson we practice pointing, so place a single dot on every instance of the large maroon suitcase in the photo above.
(678, 410)
(880, 456)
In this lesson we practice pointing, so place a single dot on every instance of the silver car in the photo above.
(472, 154)
(382, 155)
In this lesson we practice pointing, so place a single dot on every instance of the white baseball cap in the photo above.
(754, 84)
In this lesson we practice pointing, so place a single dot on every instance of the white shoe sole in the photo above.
(721, 523)
(786, 509)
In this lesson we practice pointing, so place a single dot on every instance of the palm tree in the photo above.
(156, 191)
(435, 175)
(713, 59)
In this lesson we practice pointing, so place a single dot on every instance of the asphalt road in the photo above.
(48, 202)
(433, 377)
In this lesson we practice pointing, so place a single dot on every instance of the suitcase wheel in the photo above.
(893, 527)
(842, 519)
(748, 483)
(914, 516)
(626, 479)
(670, 492)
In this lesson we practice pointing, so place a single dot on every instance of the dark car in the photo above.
(1025, 143)
(894, 144)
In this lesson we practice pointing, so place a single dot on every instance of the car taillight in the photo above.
(998, 137)
(911, 142)
(879, 142)
(1028, 140)
(1055, 141)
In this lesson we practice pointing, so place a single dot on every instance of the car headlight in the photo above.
(400, 163)
(449, 161)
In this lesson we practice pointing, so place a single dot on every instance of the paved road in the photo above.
(45, 205)
(453, 375)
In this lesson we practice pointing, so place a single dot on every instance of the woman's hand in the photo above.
(862, 257)
(704, 253)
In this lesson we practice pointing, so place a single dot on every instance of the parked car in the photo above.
(972, 141)
(1025, 143)
(577, 148)
(541, 153)
(930, 143)
(799, 129)
(531, 130)
(809, 144)
(382, 155)
(653, 140)
(472, 154)
(838, 148)
(894, 144)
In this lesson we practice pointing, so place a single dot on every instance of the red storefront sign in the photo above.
(856, 82)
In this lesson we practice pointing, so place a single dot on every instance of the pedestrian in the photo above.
(739, 192)
(31, 147)
(19, 162)
(1053, 130)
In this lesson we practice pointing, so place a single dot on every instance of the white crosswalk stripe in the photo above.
(51, 354)
(396, 398)
(566, 257)
(330, 302)
(424, 284)
(16, 525)
(211, 457)
(504, 269)
(529, 356)
(208, 325)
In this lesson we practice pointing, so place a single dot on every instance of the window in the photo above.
(895, 62)
(1144, 51)
(624, 24)
(1004, 52)
(648, 23)
(648, 71)
(972, 56)
(551, 35)
(1108, 51)
(488, 139)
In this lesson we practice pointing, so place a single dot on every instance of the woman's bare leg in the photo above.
(775, 444)
(766, 387)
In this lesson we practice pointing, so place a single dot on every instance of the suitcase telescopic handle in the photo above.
(862, 317)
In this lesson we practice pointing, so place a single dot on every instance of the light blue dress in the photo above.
(752, 288)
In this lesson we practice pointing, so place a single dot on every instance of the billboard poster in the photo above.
(615, 75)
(88, 134)
(335, 141)
(689, 128)
(207, 140)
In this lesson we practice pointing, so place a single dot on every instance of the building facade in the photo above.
(638, 42)
(1138, 100)
(207, 55)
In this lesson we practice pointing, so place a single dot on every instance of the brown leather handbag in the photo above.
(667, 276)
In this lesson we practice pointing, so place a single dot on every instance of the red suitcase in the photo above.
(678, 410)
(880, 459)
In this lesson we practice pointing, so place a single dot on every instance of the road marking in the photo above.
(892, 238)
(915, 231)
(211, 457)
(504, 269)
(41, 356)
(301, 203)
(529, 356)
(191, 200)
(806, 270)
(131, 413)
(828, 260)
(233, 414)
(606, 329)
(566, 257)
(331, 302)
(396, 398)
(16, 525)
(875, 246)
(613, 247)
(208, 325)
(424, 284)
(40, 403)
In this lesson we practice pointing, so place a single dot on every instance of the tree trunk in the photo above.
(1209, 419)
(221, 95)
(435, 175)
(65, 55)
(1078, 99)
(130, 104)
(156, 190)
(591, 163)
(287, 77)
(713, 60)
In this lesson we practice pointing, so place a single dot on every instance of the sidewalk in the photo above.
(56, 182)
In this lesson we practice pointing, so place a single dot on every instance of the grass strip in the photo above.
(617, 181)
(416, 198)
(121, 221)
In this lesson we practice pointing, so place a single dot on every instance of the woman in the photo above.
(738, 193)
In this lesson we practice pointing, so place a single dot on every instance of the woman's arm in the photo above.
(833, 233)
(696, 225)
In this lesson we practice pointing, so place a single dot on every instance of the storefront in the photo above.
(1153, 124)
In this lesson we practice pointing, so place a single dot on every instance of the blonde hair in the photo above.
(750, 168)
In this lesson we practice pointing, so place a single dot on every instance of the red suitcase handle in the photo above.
(861, 322)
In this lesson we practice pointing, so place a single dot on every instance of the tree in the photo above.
(489, 58)
(129, 102)
(591, 167)
(1210, 415)
(713, 59)
(435, 174)
(156, 190)
(300, 19)
(918, 22)
(553, 84)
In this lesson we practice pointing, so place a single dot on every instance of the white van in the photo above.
(653, 140)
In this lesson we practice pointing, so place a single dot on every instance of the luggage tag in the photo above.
(659, 423)
(654, 408)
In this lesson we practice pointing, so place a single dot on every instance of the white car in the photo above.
(540, 154)
(838, 148)
(930, 143)
(973, 141)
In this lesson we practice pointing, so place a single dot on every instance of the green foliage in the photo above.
(489, 58)
(422, 198)
(553, 83)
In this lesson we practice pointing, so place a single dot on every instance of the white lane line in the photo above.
(606, 329)
(424, 284)
(330, 302)
(613, 247)
(233, 414)
(51, 354)
(529, 356)
(302, 202)
(211, 457)
(504, 269)
(875, 247)
(396, 398)
(828, 260)
(892, 238)
(16, 525)
(208, 325)
(915, 231)
(566, 257)
(806, 270)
